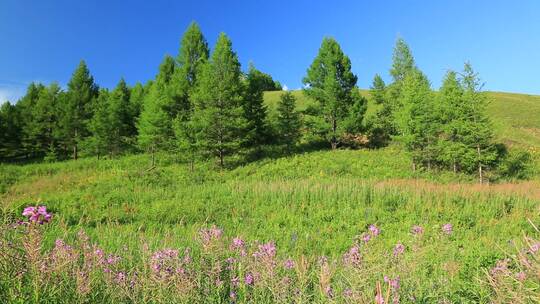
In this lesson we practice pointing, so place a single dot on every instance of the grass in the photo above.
(311, 204)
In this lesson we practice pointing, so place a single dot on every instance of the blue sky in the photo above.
(44, 40)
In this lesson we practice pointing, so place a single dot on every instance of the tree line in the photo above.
(201, 105)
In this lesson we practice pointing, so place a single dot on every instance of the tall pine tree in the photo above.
(331, 83)
(288, 121)
(120, 118)
(77, 109)
(255, 111)
(99, 142)
(218, 103)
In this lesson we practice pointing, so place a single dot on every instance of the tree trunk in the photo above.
(480, 171)
(221, 161)
(455, 167)
(75, 152)
(414, 166)
(334, 139)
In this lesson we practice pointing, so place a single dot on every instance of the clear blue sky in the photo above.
(44, 40)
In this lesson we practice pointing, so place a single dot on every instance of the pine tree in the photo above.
(288, 121)
(120, 118)
(381, 127)
(255, 111)
(218, 103)
(477, 132)
(451, 118)
(77, 110)
(10, 131)
(331, 83)
(44, 128)
(155, 125)
(136, 101)
(24, 108)
(192, 57)
(422, 127)
(99, 126)
(402, 64)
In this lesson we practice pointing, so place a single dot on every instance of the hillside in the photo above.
(515, 117)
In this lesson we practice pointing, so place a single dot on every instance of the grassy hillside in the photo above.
(516, 117)
(312, 204)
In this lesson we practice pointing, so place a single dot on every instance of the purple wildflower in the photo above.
(374, 230)
(289, 264)
(353, 256)
(394, 283)
(249, 279)
(347, 293)
(366, 237)
(521, 276)
(399, 249)
(237, 243)
(235, 281)
(447, 228)
(266, 250)
(417, 230)
(37, 214)
(232, 295)
(534, 248)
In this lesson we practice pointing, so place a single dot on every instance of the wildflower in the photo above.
(120, 277)
(353, 256)
(329, 291)
(521, 276)
(210, 234)
(249, 279)
(500, 267)
(347, 293)
(289, 264)
(379, 299)
(266, 250)
(417, 230)
(366, 237)
(237, 243)
(399, 249)
(37, 214)
(447, 228)
(394, 283)
(232, 295)
(374, 230)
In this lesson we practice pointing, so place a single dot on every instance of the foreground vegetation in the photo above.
(309, 206)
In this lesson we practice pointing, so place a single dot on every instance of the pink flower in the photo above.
(232, 295)
(535, 247)
(394, 283)
(266, 250)
(353, 256)
(37, 214)
(417, 230)
(366, 237)
(289, 264)
(374, 230)
(447, 228)
(521, 276)
(249, 279)
(347, 293)
(237, 243)
(399, 249)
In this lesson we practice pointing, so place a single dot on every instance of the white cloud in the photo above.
(285, 88)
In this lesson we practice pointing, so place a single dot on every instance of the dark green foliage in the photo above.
(332, 84)
(10, 131)
(24, 107)
(255, 111)
(77, 108)
(516, 165)
(218, 111)
(120, 119)
(44, 128)
(136, 101)
(100, 127)
(288, 121)
(381, 126)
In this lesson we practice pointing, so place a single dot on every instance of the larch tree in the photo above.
(288, 122)
(155, 125)
(477, 131)
(191, 59)
(382, 124)
(451, 146)
(100, 140)
(255, 111)
(77, 109)
(331, 83)
(136, 101)
(218, 103)
(44, 129)
(120, 118)
(10, 131)
(24, 107)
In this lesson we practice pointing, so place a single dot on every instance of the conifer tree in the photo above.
(451, 118)
(119, 118)
(255, 111)
(477, 132)
(136, 100)
(381, 127)
(331, 83)
(10, 131)
(44, 128)
(155, 125)
(218, 103)
(99, 142)
(422, 127)
(288, 121)
(24, 108)
(77, 109)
